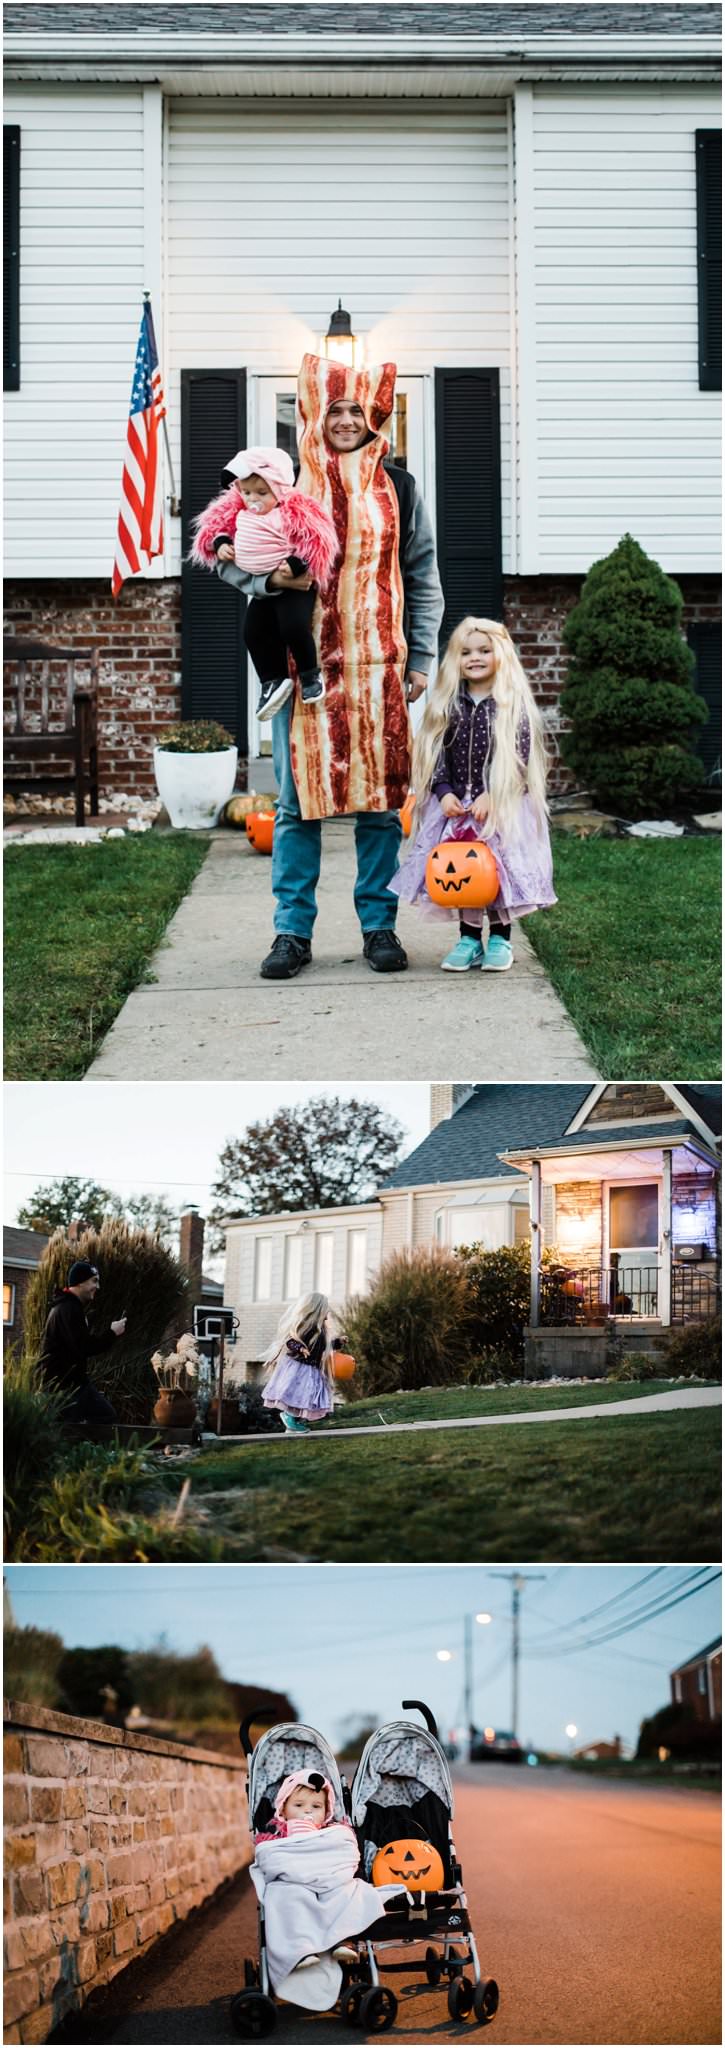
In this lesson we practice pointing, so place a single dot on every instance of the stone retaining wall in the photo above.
(109, 1839)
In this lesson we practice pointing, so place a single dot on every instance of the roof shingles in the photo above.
(500, 1119)
(517, 23)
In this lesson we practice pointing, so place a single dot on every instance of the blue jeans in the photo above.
(297, 852)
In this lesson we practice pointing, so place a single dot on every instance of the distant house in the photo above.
(618, 1184)
(697, 1684)
(517, 204)
(601, 1752)
(22, 1253)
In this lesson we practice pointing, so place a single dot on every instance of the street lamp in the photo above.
(444, 1656)
(340, 342)
(572, 1731)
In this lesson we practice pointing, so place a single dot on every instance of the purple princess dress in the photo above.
(298, 1384)
(524, 864)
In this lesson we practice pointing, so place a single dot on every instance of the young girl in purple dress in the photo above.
(479, 772)
(299, 1365)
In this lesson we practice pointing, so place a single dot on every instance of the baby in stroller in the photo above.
(324, 1932)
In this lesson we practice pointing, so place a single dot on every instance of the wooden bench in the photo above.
(75, 742)
(130, 1433)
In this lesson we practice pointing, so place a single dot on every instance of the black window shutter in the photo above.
(706, 643)
(11, 259)
(708, 157)
(468, 494)
(213, 655)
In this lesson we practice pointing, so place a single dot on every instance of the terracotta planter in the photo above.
(230, 1417)
(174, 1409)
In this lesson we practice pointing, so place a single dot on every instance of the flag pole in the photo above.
(174, 502)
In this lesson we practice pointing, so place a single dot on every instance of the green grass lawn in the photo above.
(81, 923)
(615, 1490)
(436, 1404)
(633, 949)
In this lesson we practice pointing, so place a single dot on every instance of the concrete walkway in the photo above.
(647, 1404)
(206, 1015)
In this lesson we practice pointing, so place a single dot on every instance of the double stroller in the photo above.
(401, 1797)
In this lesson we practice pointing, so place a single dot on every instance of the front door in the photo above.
(272, 425)
(633, 1239)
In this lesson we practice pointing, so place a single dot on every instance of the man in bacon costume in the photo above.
(376, 629)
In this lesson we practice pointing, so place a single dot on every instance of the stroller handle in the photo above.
(257, 1714)
(428, 1717)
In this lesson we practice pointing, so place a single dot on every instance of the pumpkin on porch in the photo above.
(461, 874)
(409, 1862)
(259, 826)
(241, 804)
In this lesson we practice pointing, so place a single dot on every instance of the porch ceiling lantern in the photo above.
(340, 342)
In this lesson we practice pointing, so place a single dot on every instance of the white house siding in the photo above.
(615, 433)
(258, 1319)
(88, 246)
(403, 211)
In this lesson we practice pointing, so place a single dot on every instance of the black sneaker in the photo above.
(288, 955)
(383, 952)
(312, 687)
(272, 695)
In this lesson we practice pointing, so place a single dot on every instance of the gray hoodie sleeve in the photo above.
(422, 586)
(250, 585)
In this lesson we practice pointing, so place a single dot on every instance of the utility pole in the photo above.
(518, 1581)
(468, 1675)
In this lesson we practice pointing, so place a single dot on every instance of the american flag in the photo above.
(140, 533)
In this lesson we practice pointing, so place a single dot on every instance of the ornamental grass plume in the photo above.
(628, 690)
(413, 1329)
(140, 1279)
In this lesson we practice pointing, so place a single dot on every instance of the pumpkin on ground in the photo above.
(417, 1865)
(406, 814)
(343, 1366)
(461, 874)
(237, 810)
(260, 830)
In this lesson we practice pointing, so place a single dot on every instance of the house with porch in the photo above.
(615, 1187)
(518, 204)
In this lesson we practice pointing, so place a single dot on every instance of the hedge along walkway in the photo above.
(208, 1016)
(645, 1404)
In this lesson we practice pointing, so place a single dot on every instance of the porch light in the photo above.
(340, 342)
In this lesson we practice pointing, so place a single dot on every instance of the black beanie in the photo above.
(81, 1271)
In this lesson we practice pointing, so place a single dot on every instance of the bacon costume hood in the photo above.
(352, 753)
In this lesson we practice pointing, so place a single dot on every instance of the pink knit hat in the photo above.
(274, 464)
(317, 1783)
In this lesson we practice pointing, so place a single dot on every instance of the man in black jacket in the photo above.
(68, 1344)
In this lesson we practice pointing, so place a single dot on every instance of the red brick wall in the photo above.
(139, 644)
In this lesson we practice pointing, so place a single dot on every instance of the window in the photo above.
(292, 1268)
(678, 1689)
(522, 1223)
(263, 1269)
(702, 1680)
(357, 1261)
(487, 1225)
(11, 259)
(8, 1304)
(633, 1219)
(324, 1250)
(708, 160)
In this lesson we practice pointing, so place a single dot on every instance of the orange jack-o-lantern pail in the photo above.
(409, 1862)
(343, 1365)
(461, 874)
(259, 827)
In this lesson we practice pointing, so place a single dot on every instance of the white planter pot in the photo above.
(194, 787)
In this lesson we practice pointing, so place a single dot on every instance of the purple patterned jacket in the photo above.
(468, 747)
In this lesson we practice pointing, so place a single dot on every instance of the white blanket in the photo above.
(313, 1900)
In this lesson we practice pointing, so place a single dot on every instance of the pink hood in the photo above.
(296, 1778)
(274, 464)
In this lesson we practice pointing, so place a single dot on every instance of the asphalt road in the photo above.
(595, 1905)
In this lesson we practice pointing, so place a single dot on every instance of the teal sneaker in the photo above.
(498, 956)
(467, 953)
(293, 1425)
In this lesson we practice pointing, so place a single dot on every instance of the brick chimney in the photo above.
(446, 1097)
(191, 1250)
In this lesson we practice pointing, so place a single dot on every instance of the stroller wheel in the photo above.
(253, 2016)
(378, 2008)
(460, 1998)
(485, 2000)
(433, 1966)
(350, 2003)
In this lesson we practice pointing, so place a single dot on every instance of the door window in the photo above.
(633, 1218)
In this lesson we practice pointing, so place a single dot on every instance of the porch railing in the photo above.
(587, 1294)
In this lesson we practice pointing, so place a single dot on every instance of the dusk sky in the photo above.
(137, 1138)
(354, 1640)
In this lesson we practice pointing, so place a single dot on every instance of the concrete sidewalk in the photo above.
(648, 1404)
(206, 1015)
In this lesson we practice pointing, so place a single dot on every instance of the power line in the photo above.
(636, 1621)
(626, 1593)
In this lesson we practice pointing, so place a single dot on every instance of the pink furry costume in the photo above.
(299, 526)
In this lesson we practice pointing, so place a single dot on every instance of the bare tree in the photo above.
(317, 1155)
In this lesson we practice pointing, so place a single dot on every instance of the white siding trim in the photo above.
(528, 477)
(153, 224)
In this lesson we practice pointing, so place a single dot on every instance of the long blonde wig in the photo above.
(515, 703)
(304, 1320)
